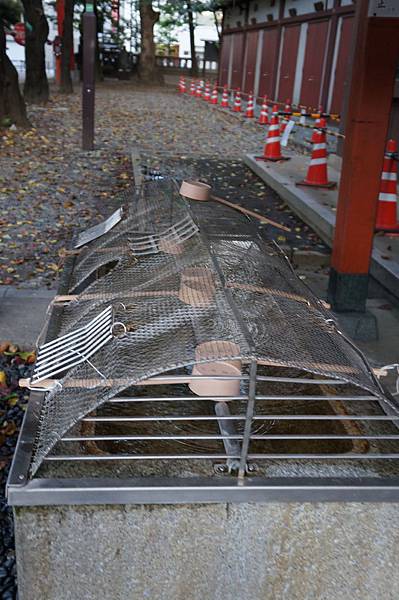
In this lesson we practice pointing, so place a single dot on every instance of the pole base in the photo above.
(360, 327)
(328, 186)
(347, 292)
(394, 229)
(280, 158)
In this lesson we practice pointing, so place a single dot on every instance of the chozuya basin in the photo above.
(195, 190)
(220, 366)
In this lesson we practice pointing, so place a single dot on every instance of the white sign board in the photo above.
(384, 8)
(287, 131)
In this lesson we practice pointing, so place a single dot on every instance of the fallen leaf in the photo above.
(4, 346)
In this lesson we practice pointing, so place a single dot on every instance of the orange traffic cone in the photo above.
(214, 97)
(386, 212)
(237, 102)
(225, 98)
(264, 117)
(192, 88)
(183, 86)
(179, 87)
(198, 91)
(272, 150)
(207, 94)
(249, 113)
(317, 172)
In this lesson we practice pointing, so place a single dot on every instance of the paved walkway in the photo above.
(318, 207)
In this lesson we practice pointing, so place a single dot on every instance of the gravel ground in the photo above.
(49, 187)
(13, 365)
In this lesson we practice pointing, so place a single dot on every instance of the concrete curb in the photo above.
(306, 203)
(9, 291)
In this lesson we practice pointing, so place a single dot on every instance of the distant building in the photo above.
(205, 30)
(289, 49)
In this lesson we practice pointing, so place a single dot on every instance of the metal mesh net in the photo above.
(225, 291)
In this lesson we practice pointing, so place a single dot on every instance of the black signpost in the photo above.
(88, 88)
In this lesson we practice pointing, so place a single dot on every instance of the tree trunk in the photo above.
(217, 26)
(194, 62)
(36, 88)
(12, 105)
(66, 86)
(147, 69)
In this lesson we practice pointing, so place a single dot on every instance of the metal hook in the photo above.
(121, 325)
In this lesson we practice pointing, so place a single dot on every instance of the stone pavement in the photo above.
(22, 314)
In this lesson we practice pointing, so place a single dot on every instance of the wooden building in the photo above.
(291, 49)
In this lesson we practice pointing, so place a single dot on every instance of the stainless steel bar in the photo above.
(118, 457)
(117, 438)
(19, 470)
(177, 418)
(347, 456)
(324, 436)
(85, 457)
(319, 398)
(248, 420)
(243, 417)
(180, 490)
(182, 378)
(302, 380)
(326, 417)
(122, 399)
(227, 436)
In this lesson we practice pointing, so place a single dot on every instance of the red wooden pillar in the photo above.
(60, 8)
(375, 57)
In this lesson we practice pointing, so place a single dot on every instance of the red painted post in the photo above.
(375, 56)
(60, 7)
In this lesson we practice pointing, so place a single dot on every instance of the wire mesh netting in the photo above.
(219, 293)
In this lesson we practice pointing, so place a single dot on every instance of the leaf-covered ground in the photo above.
(49, 187)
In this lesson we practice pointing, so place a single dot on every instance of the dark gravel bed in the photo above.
(13, 400)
